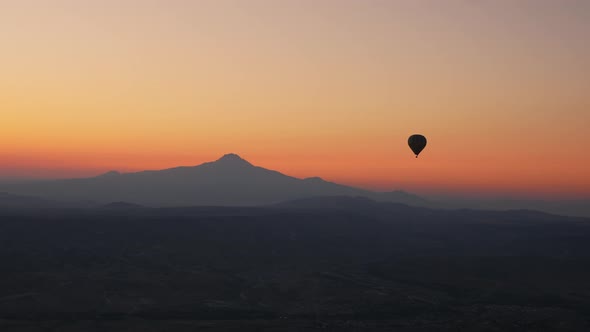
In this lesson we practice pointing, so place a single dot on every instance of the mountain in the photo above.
(10, 201)
(122, 205)
(229, 180)
(233, 181)
(19, 201)
(574, 208)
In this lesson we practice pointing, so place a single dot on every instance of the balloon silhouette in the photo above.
(417, 143)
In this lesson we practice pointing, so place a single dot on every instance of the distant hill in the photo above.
(575, 208)
(19, 201)
(229, 180)
(11, 201)
(122, 205)
(357, 205)
(362, 205)
(330, 202)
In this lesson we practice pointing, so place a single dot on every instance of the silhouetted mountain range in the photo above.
(17, 201)
(11, 201)
(579, 208)
(230, 180)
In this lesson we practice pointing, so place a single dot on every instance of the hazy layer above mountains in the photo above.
(231, 181)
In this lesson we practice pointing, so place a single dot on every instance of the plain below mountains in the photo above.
(314, 264)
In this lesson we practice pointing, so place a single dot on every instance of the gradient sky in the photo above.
(327, 88)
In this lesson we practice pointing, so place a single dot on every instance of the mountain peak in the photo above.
(232, 158)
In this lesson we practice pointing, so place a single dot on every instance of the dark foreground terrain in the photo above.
(330, 264)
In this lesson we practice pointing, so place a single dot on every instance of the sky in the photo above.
(329, 88)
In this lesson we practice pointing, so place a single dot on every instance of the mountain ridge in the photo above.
(229, 180)
(233, 181)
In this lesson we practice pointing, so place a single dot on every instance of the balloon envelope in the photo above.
(417, 143)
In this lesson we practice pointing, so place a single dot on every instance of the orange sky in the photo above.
(310, 88)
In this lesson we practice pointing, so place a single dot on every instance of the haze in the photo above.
(309, 88)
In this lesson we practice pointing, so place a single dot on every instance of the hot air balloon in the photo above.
(417, 143)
